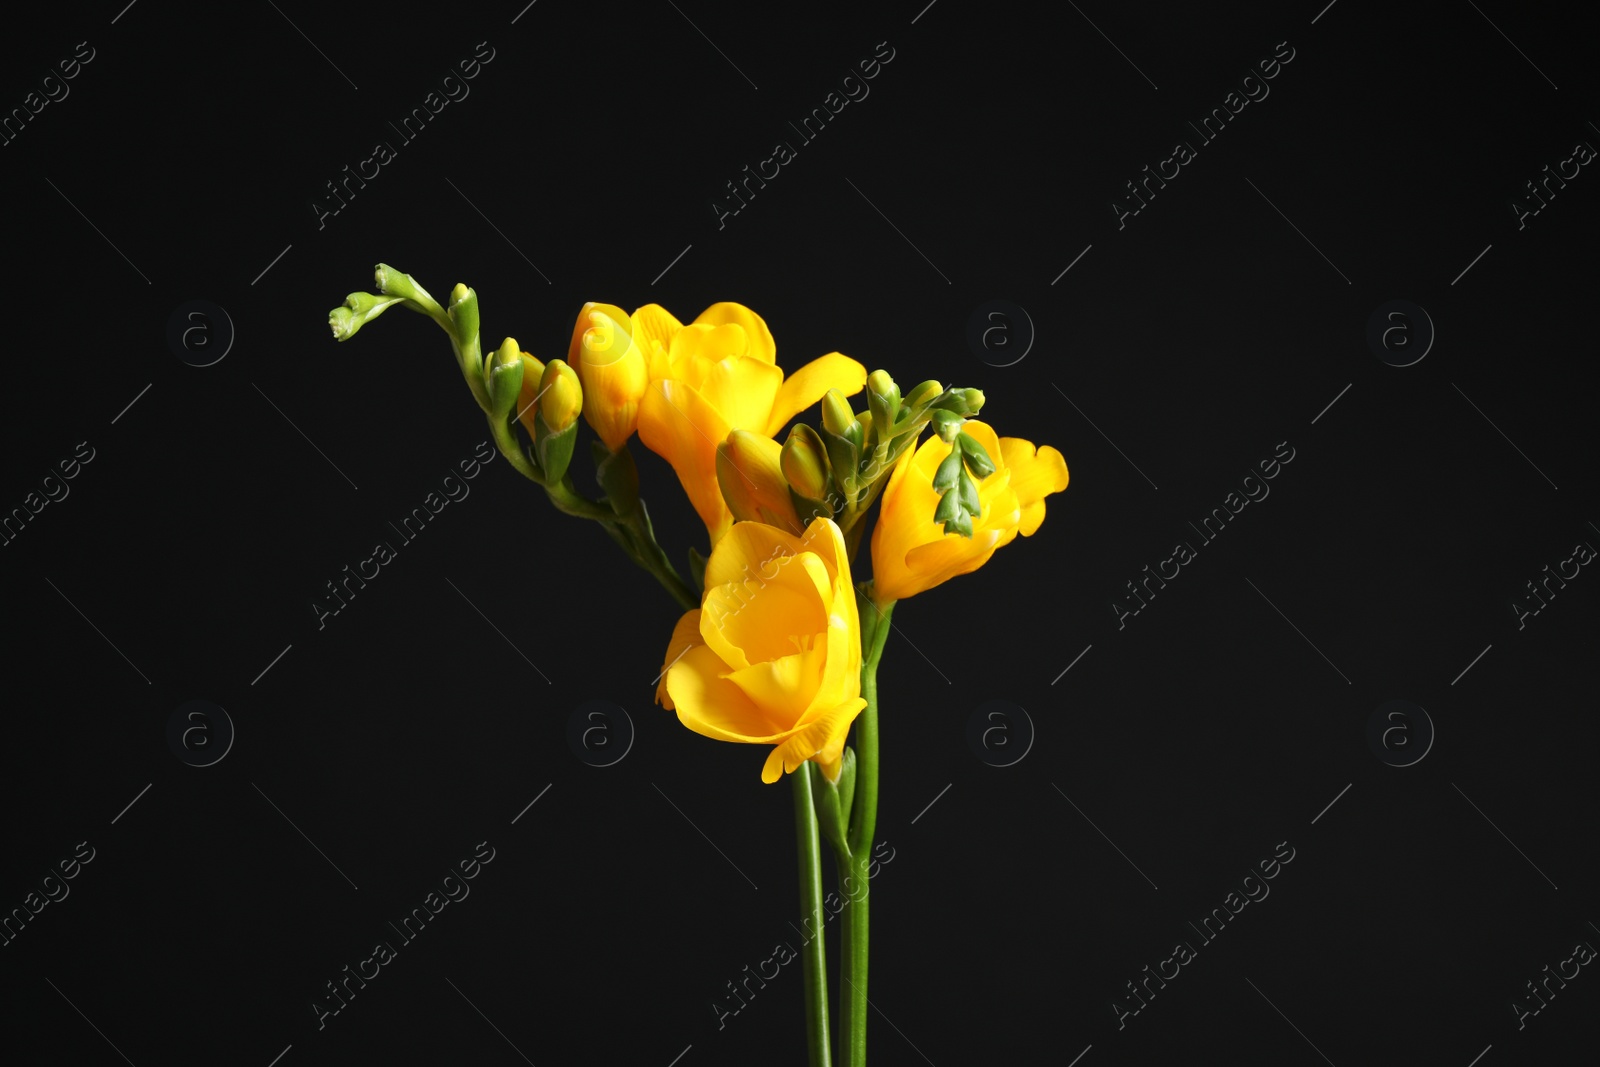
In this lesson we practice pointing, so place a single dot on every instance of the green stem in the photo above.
(863, 823)
(814, 953)
(653, 558)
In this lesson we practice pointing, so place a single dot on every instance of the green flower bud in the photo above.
(833, 799)
(967, 493)
(883, 400)
(836, 414)
(947, 424)
(948, 471)
(805, 463)
(464, 314)
(923, 393)
(504, 383)
(977, 457)
(561, 396)
(392, 282)
(359, 309)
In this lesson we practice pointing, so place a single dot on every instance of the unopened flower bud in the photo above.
(562, 396)
(749, 471)
(805, 463)
(504, 378)
(837, 418)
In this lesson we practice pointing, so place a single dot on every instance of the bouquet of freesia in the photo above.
(779, 644)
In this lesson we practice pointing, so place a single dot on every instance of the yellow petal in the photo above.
(615, 378)
(585, 321)
(742, 390)
(810, 383)
(938, 561)
(677, 424)
(1034, 475)
(759, 343)
(710, 705)
(685, 635)
(824, 538)
(1032, 517)
(750, 551)
(841, 671)
(783, 687)
(697, 348)
(653, 326)
(761, 618)
(819, 738)
(905, 519)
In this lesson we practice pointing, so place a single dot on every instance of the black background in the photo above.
(1197, 338)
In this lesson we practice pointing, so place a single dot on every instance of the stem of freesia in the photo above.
(813, 954)
(863, 823)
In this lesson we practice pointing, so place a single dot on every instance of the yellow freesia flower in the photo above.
(715, 375)
(612, 369)
(911, 552)
(773, 654)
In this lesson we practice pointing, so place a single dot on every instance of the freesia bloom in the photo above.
(612, 369)
(912, 553)
(715, 375)
(773, 654)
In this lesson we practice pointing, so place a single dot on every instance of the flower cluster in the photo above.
(778, 644)
(770, 649)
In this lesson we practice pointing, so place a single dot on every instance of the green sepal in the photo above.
(617, 475)
(949, 507)
(833, 801)
(949, 470)
(504, 387)
(808, 509)
(554, 450)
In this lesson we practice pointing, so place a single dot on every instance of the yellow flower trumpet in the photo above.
(715, 375)
(773, 654)
(912, 553)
